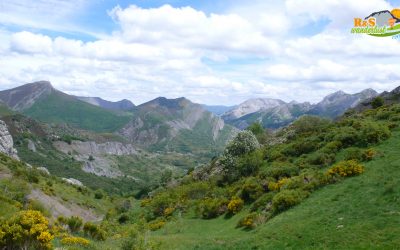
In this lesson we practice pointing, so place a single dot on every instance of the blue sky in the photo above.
(213, 52)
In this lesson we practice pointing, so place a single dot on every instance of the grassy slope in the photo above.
(366, 206)
(61, 108)
(15, 186)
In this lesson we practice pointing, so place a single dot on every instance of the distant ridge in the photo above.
(122, 105)
(275, 113)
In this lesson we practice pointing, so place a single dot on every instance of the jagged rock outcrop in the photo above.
(73, 181)
(6, 141)
(95, 156)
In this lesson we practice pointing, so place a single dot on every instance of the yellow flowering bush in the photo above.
(275, 186)
(250, 221)
(235, 205)
(156, 225)
(346, 168)
(26, 229)
(75, 241)
(369, 154)
(168, 211)
(145, 202)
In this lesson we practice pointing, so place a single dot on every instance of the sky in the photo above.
(219, 52)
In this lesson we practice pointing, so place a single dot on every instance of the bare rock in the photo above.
(6, 141)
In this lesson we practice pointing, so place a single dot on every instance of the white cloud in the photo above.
(187, 27)
(245, 51)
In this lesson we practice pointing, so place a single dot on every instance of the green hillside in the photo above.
(358, 213)
(327, 184)
(61, 108)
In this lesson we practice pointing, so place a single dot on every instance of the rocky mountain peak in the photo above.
(23, 97)
(251, 106)
(368, 93)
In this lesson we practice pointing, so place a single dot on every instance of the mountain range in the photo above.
(275, 113)
(161, 124)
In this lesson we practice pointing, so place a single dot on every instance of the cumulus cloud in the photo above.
(187, 27)
(248, 50)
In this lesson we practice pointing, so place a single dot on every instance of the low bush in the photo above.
(94, 231)
(75, 241)
(263, 203)
(369, 154)
(279, 170)
(251, 221)
(353, 154)
(123, 218)
(251, 189)
(287, 199)
(26, 230)
(249, 164)
(235, 205)
(156, 225)
(332, 147)
(209, 208)
(346, 168)
(74, 223)
(276, 186)
(169, 211)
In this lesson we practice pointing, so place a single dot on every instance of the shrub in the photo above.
(369, 154)
(263, 203)
(75, 241)
(37, 206)
(98, 194)
(249, 164)
(332, 147)
(169, 211)
(287, 199)
(347, 136)
(209, 208)
(94, 231)
(160, 202)
(155, 225)
(301, 146)
(235, 205)
(310, 124)
(74, 223)
(245, 142)
(276, 186)
(346, 168)
(26, 230)
(320, 159)
(250, 221)
(353, 154)
(279, 169)
(123, 218)
(372, 133)
(251, 189)
(377, 102)
(258, 130)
